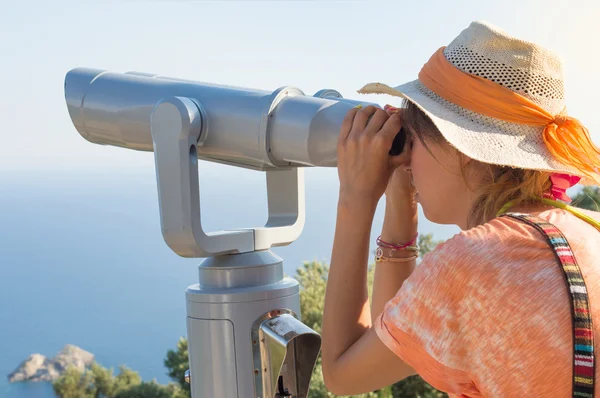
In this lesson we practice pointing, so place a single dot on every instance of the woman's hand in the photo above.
(364, 163)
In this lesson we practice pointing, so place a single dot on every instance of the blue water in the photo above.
(83, 261)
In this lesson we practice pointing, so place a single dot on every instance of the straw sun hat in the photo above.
(524, 68)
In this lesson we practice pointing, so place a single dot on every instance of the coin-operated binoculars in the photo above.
(245, 337)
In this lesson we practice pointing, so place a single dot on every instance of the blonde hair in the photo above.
(501, 184)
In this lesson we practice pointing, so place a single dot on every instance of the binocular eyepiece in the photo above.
(398, 143)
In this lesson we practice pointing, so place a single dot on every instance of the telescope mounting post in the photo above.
(244, 336)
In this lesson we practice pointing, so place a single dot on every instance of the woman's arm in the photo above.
(354, 359)
(399, 225)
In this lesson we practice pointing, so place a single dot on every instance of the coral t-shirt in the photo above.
(487, 313)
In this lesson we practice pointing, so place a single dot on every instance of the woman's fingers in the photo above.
(388, 133)
(347, 125)
(365, 140)
(391, 127)
(371, 122)
(376, 122)
(384, 137)
(360, 121)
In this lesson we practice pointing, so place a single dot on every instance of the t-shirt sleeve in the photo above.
(425, 323)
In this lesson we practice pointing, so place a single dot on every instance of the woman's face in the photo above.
(441, 189)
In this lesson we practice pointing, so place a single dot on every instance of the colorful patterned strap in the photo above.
(583, 337)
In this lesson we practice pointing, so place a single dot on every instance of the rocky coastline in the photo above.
(38, 367)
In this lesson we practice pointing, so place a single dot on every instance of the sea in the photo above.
(83, 260)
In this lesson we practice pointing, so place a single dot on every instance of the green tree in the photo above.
(177, 363)
(125, 380)
(95, 382)
(154, 390)
(416, 387)
(588, 198)
(103, 380)
(99, 382)
(74, 384)
(427, 244)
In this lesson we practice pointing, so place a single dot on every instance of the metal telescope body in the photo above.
(245, 337)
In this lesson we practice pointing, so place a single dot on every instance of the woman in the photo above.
(505, 308)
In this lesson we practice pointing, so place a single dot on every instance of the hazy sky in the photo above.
(255, 44)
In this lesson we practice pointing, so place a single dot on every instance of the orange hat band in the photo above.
(565, 137)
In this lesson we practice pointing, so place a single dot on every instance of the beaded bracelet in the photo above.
(395, 259)
(383, 243)
(379, 252)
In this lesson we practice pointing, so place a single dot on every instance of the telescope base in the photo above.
(233, 294)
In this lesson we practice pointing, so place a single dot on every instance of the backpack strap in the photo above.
(583, 332)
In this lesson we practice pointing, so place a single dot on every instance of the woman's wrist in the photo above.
(400, 223)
